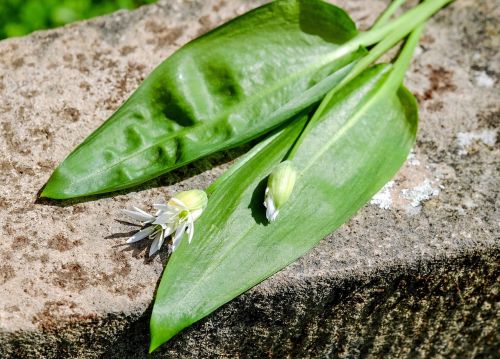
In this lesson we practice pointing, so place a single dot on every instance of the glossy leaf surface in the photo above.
(223, 89)
(361, 139)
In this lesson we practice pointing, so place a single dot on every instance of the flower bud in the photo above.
(279, 188)
(194, 199)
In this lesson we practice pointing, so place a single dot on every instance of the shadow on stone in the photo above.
(428, 310)
(121, 235)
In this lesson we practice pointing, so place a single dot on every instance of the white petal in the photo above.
(145, 214)
(196, 213)
(141, 234)
(137, 209)
(162, 206)
(157, 243)
(169, 230)
(179, 203)
(154, 246)
(178, 235)
(139, 215)
(190, 228)
(271, 211)
(170, 212)
(180, 230)
(155, 233)
(266, 197)
(165, 218)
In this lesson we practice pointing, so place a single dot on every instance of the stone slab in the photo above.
(413, 273)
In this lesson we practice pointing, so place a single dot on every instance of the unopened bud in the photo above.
(194, 199)
(279, 188)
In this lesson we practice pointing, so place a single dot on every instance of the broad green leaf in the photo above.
(227, 87)
(361, 139)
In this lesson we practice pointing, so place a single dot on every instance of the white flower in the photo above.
(279, 188)
(174, 218)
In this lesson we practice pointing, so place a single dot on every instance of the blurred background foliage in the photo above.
(20, 17)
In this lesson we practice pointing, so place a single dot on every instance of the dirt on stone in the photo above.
(62, 243)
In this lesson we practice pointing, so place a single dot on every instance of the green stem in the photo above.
(406, 54)
(381, 48)
(403, 25)
(388, 12)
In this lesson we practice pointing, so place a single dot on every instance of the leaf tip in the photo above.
(156, 340)
(43, 194)
(152, 347)
(47, 192)
(162, 327)
(50, 190)
(60, 186)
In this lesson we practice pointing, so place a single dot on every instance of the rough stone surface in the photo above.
(414, 273)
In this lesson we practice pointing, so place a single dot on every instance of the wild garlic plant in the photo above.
(334, 128)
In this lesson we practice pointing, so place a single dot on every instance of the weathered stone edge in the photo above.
(445, 307)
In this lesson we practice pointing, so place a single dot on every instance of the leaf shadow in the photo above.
(124, 234)
(140, 249)
(175, 176)
(257, 203)
(121, 235)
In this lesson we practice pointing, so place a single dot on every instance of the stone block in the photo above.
(413, 274)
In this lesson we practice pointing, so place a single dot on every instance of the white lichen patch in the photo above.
(482, 79)
(419, 50)
(412, 159)
(466, 139)
(415, 183)
(419, 194)
(383, 198)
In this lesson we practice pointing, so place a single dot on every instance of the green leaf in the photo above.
(361, 139)
(232, 85)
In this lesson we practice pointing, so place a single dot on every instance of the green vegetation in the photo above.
(20, 17)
